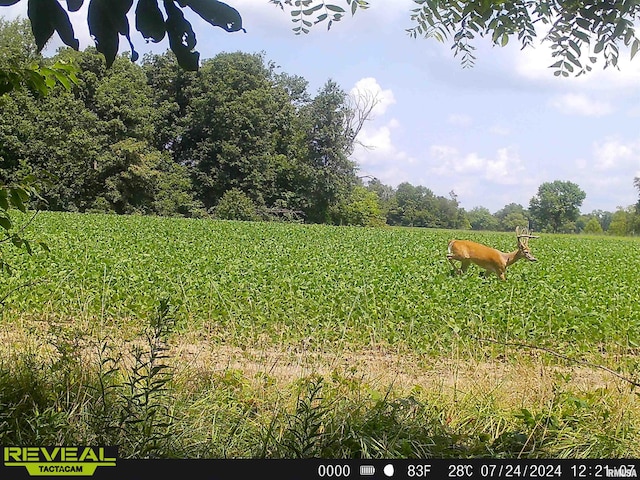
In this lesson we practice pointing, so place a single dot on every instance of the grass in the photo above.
(303, 340)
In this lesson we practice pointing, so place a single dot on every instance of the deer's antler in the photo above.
(523, 232)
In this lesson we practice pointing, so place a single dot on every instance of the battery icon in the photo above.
(366, 470)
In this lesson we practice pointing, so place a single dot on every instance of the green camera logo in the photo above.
(59, 461)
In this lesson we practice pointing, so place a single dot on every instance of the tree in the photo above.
(603, 217)
(511, 216)
(234, 128)
(420, 207)
(593, 227)
(555, 205)
(384, 193)
(619, 223)
(16, 74)
(480, 218)
(326, 141)
(636, 183)
(414, 206)
(147, 181)
(580, 32)
(361, 207)
(154, 138)
(236, 205)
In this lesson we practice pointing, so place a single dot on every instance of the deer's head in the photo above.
(523, 236)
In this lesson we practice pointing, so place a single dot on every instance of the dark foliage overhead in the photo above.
(107, 20)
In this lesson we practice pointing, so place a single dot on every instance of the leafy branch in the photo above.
(40, 80)
(303, 11)
(107, 20)
(16, 197)
(575, 27)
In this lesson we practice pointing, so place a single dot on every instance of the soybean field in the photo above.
(356, 286)
(248, 339)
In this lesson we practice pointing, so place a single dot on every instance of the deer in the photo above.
(492, 260)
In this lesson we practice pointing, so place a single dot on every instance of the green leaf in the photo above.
(62, 79)
(107, 19)
(335, 8)
(182, 38)
(46, 17)
(150, 21)
(74, 5)
(599, 46)
(312, 10)
(581, 35)
(16, 240)
(575, 47)
(27, 246)
(18, 197)
(634, 48)
(5, 222)
(620, 27)
(216, 13)
(4, 202)
(583, 23)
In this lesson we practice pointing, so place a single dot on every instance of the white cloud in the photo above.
(377, 155)
(376, 152)
(504, 168)
(490, 181)
(614, 154)
(581, 104)
(377, 138)
(366, 91)
(459, 119)
(607, 174)
(443, 152)
(499, 130)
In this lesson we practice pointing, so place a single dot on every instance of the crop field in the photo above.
(378, 305)
(353, 287)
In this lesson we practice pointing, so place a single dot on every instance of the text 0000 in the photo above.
(334, 470)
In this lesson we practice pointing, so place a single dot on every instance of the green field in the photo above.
(359, 287)
(367, 304)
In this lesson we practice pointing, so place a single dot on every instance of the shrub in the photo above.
(236, 205)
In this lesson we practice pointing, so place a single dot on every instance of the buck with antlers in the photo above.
(490, 259)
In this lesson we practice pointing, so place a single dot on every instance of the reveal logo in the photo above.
(60, 461)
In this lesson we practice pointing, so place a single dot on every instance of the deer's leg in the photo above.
(453, 264)
(465, 265)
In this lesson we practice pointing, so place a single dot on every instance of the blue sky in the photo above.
(492, 133)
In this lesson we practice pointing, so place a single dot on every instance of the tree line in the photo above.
(151, 138)
(238, 139)
(555, 208)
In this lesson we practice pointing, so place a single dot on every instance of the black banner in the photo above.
(51, 464)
